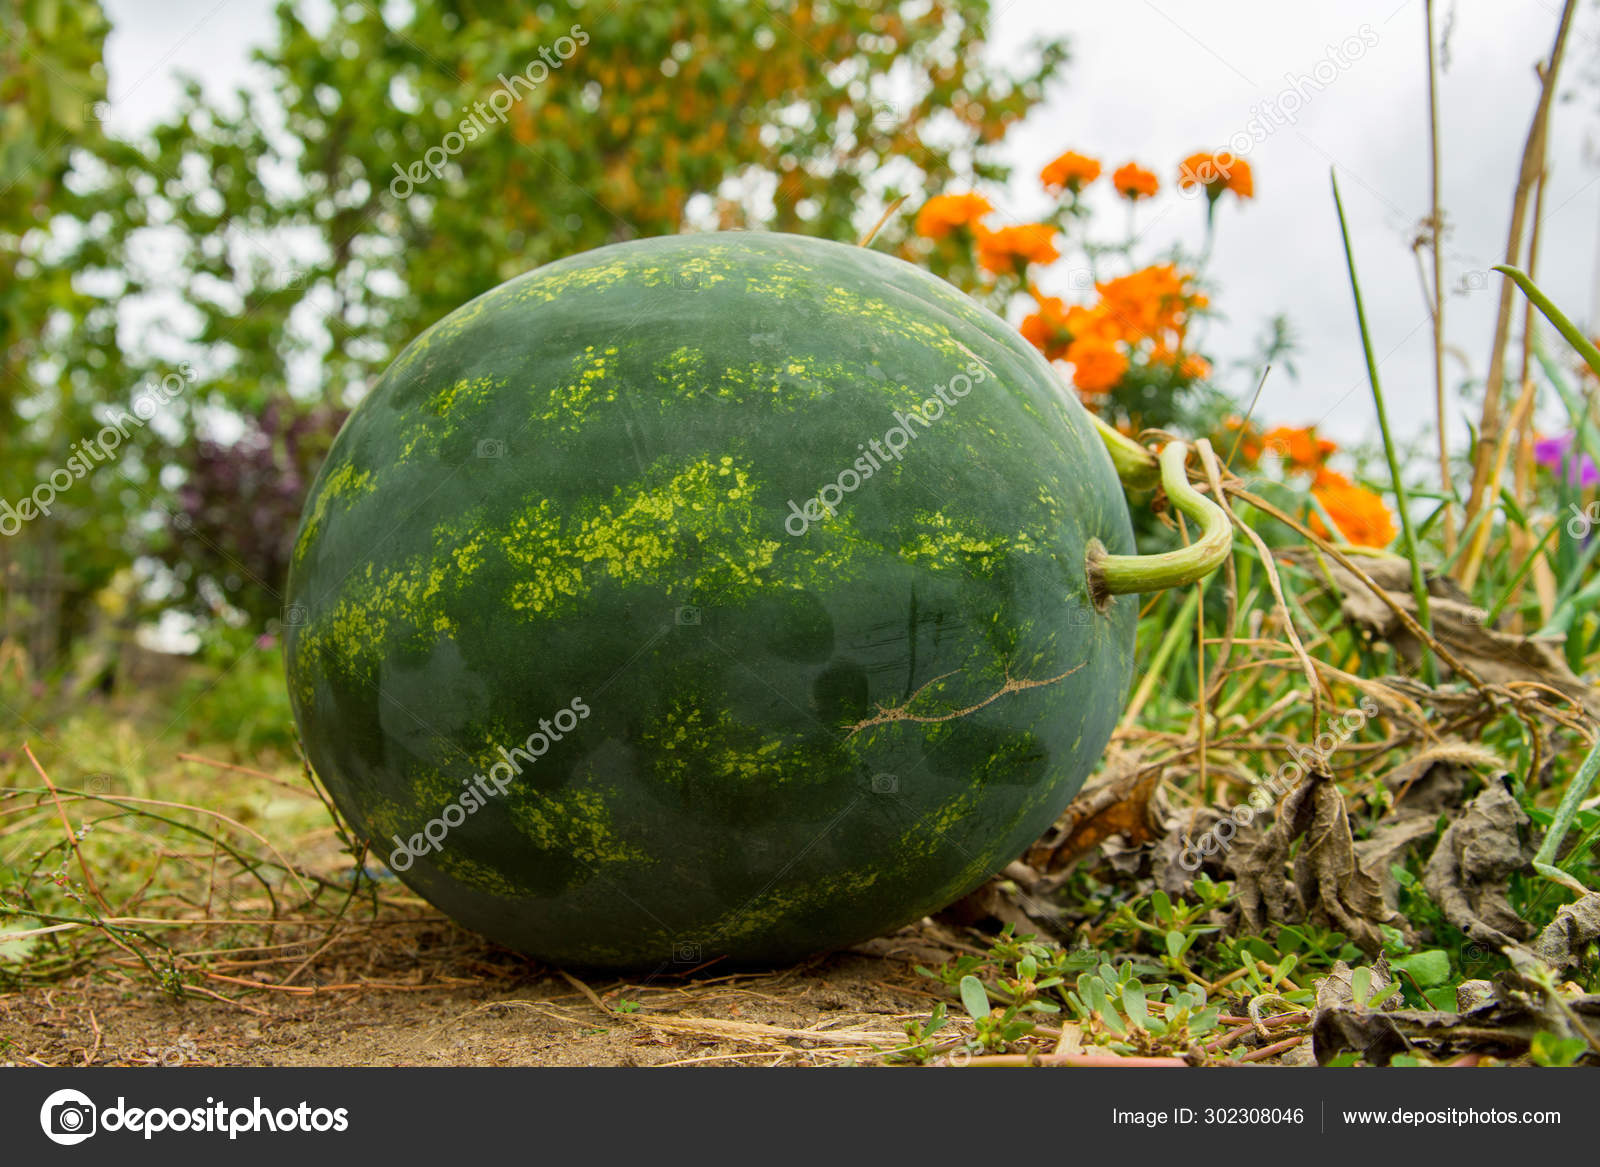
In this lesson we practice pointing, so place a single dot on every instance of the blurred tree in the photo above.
(399, 160)
(59, 360)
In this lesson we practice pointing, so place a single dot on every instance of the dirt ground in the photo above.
(432, 995)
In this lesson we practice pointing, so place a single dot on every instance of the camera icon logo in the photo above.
(68, 1117)
(885, 117)
(885, 784)
(688, 615)
(294, 615)
(685, 952)
(491, 448)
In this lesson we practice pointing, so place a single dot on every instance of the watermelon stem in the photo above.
(1116, 575)
(1135, 465)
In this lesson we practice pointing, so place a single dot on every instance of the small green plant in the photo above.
(1365, 994)
(1549, 1050)
(920, 1036)
(995, 1031)
(1118, 1010)
(1173, 927)
(1019, 978)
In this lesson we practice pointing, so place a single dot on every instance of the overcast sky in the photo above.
(1154, 80)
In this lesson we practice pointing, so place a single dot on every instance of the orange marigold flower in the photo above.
(943, 214)
(1097, 365)
(1071, 171)
(1194, 367)
(1047, 329)
(1360, 515)
(1300, 447)
(1240, 179)
(1154, 303)
(1011, 248)
(1093, 323)
(1134, 182)
(1217, 173)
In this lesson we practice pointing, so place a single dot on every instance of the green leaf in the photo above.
(1428, 968)
(1382, 996)
(1441, 997)
(974, 997)
(1133, 1004)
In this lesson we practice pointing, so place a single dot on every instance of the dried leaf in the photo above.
(1116, 804)
(1466, 876)
(1337, 989)
(1425, 786)
(1576, 926)
(1325, 882)
(1174, 856)
(1341, 1023)
(1496, 657)
(1502, 1026)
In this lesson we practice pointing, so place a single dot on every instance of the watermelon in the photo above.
(711, 596)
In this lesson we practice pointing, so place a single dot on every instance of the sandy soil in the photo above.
(430, 995)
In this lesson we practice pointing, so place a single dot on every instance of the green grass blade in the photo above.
(1419, 588)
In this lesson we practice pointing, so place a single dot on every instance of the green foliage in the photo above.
(1550, 1050)
(238, 693)
(919, 1034)
(59, 358)
(1129, 1016)
(1025, 977)
(1175, 926)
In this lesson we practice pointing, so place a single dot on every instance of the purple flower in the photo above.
(1556, 454)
